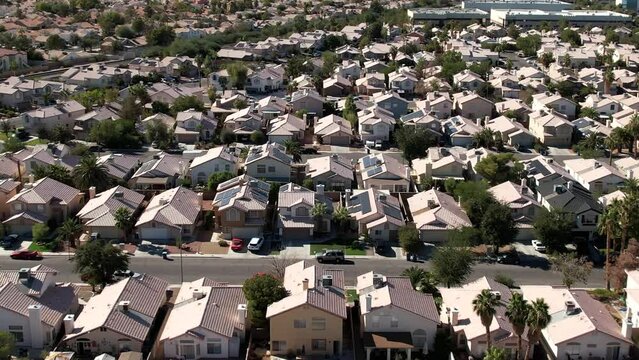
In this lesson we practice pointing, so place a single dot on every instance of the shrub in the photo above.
(505, 280)
(603, 295)
(223, 243)
(40, 232)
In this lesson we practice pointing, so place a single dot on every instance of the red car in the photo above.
(26, 255)
(237, 244)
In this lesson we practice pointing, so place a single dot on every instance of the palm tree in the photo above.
(611, 144)
(633, 130)
(484, 305)
(495, 354)
(123, 221)
(91, 173)
(318, 211)
(341, 217)
(608, 225)
(6, 127)
(416, 275)
(537, 320)
(69, 229)
(516, 312)
(294, 149)
(609, 78)
(485, 138)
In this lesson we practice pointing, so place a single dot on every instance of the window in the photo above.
(299, 324)
(40, 207)
(213, 346)
(17, 333)
(261, 169)
(217, 167)
(271, 169)
(301, 211)
(318, 344)
(17, 207)
(573, 348)
(278, 345)
(394, 322)
(232, 215)
(318, 323)
(612, 107)
(375, 322)
(378, 232)
(201, 178)
(227, 167)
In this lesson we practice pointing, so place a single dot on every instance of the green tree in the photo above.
(39, 233)
(118, 134)
(498, 228)
(494, 353)
(422, 280)
(260, 291)
(318, 212)
(608, 226)
(258, 137)
(546, 59)
(227, 136)
(125, 31)
(5, 126)
(55, 42)
(409, 239)
(485, 306)
(109, 20)
(124, 221)
(517, 312)
(589, 113)
(7, 344)
(554, 228)
(238, 74)
(413, 141)
(498, 168)
(451, 63)
(89, 172)
(296, 66)
(452, 264)
(485, 138)
(158, 132)
(217, 178)
(162, 35)
(68, 231)
(293, 148)
(529, 44)
(55, 172)
(342, 218)
(184, 103)
(537, 320)
(130, 109)
(572, 268)
(98, 260)
(61, 134)
(13, 144)
(571, 36)
(482, 69)
(467, 235)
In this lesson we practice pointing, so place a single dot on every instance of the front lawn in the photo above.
(36, 141)
(42, 247)
(348, 249)
(351, 295)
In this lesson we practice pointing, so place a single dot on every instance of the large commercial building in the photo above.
(441, 15)
(628, 4)
(530, 18)
(489, 5)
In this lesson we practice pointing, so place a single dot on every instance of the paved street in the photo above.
(236, 270)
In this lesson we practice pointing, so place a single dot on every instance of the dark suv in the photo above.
(336, 256)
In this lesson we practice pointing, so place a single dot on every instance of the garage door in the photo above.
(154, 234)
(245, 232)
(340, 140)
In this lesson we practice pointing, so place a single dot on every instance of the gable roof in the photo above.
(100, 211)
(45, 191)
(174, 207)
(435, 210)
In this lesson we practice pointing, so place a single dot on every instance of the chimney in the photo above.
(429, 170)
(378, 281)
(569, 185)
(91, 192)
(198, 294)
(241, 313)
(347, 197)
(608, 123)
(630, 174)
(570, 307)
(407, 172)
(124, 306)
(200, 199)
(305, 284)
(626, 327)
(486, 119)
(35, 325)
(31, 179)
(596, 165)
(369, 303)
(454, 316)
(478, 122)
(523, 184)
(319, 189)
(69, 323)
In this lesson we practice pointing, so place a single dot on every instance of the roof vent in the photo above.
(570, 307)
(197, 294)
(124, 306)
(118, 194)
(24, 274)
(378, 281)
(327, 281)
(496, 294)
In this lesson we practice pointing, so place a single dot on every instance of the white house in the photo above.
(218, 159)
(269, 161)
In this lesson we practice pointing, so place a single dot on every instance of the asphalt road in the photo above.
(234, 271)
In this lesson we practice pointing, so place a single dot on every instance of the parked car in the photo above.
(26, 255)
(255, 244)
(488, 258)
(336, 256)
(121, 274)
(10, 240)
(537, 245)
(237, 244)
(511, 258)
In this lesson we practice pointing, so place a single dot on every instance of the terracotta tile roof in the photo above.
(46, 190)
(174, 207)
(100, 211)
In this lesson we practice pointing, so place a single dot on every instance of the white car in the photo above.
(255, 244)
(537, 245)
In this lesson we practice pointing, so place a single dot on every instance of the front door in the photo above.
(336, 348)
(187, 351)
(84, 347)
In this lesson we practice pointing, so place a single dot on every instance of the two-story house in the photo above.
(193, 126)
(296, 221)
(548, 101)
(98, 215)
(376, 213)
(394, 317)
(286, 127)
(334, 172)
(440, 163)
(468, 80)
(159, 173)
(523, 205)
(309, 100)
(472, 106)
(240, 207)
(436, 214)
(170, 215)
(40, 202)
(333, 130)
(268, 161)
(310, 320)
(244, 122)
(215, 160)
(551, 128)
(381, 171)
(391, 101)
(48, 117)
(596, 176)
(512, 132)
(375, 123)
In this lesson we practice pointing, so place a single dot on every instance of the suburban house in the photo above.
(309, 100)
(98, 215)
(512, 132)
(523, 205)
(310, 320)
(170, 215)
(435, 214)
(243, 122)
(403, 81)
(286, 127)
(596, 176)
(469, 332)
(44, 155)
(467, 80)
(240, 207)
(269, 162)
(381, 171)
(547, 101)
(159, 173)
(440, 163)
(48, 117)
(118, 319)
(580, 326)
(120, 166)
(336, 86)
(334, 172)
(40, 202)
(375, 123)
(333, 130)
(193, 126)
(391, 101)
(425, 120)
(215, 160)
(395, 317)
(208, 321)
(370, 83)
(34, 304)
(551, 128)
(295, 212)
(460, 130)
(472, 106)
(8, 189)
(12, 60)
(84, 123)
(376, 213)
(266, 80)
